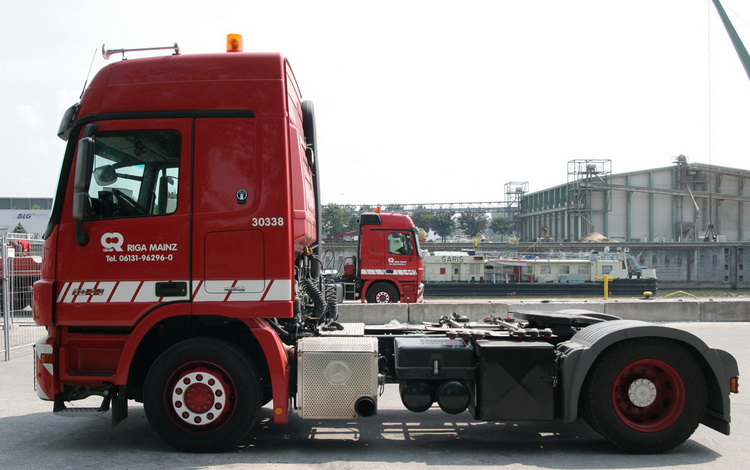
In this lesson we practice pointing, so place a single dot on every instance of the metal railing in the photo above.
(20, 267)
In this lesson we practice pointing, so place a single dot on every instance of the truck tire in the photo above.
(645, 395)
(202, 395)
(382, 293)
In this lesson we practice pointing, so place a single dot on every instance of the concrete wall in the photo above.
(657, 310)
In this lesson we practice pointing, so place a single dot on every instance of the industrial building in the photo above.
(686, 202)
(32, 213)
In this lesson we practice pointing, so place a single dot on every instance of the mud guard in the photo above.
(278, 364)
(274, 353)
(577, 355)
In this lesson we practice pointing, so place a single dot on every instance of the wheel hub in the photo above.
(649, 395)
(642, 393)
(384, 298)
(199, 398)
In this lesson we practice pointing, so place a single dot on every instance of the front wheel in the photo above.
(645, 395)
(202, 395)
(382, 293)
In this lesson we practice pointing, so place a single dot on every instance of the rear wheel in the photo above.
(382, 293)
(202, 395)
(645, 395)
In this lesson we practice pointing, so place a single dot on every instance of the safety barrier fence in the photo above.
(20, 267)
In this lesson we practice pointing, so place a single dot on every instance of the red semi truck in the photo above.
(389, 266)
(181, 270)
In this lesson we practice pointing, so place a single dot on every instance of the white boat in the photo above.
(566, 267)
(557, 267)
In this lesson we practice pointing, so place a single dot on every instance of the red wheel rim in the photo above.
(649, 395)
(383, 297)
(201, 395)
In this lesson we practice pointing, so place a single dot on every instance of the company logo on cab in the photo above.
(112, 241)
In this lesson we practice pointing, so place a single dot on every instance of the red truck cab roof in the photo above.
(188, 82)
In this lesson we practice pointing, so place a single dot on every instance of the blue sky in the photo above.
(419, 101)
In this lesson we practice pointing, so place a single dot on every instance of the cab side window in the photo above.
(400, 243)
(135, 174)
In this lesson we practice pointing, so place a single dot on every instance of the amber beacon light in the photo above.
(234, 43)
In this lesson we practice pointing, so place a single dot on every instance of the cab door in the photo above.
(399, 258)
(404, 265)
(123, 237)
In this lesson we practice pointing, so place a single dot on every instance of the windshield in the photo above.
(416, 243)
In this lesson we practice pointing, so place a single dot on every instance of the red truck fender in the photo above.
(577, 357)
(274, 353)
(278, 364)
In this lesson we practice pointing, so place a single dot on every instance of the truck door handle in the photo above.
(389, 271)
(171, 289)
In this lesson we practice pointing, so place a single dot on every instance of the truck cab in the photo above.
(186, 203)
(389, 267)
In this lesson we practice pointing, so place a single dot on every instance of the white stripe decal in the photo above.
(238, 290)
(147, 292)
(244, 290)
(196, 287)
(125, 291)
(279, 290)
(395, 272)
(63, 292)
(107, 287)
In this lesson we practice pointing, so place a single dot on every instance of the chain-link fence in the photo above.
(20, 267)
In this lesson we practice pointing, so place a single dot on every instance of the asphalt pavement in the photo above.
(31, 437)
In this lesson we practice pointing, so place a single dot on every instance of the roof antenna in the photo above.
(88, 74)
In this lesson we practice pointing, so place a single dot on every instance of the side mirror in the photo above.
(66, 125)
(84, 162)
(84, 159)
